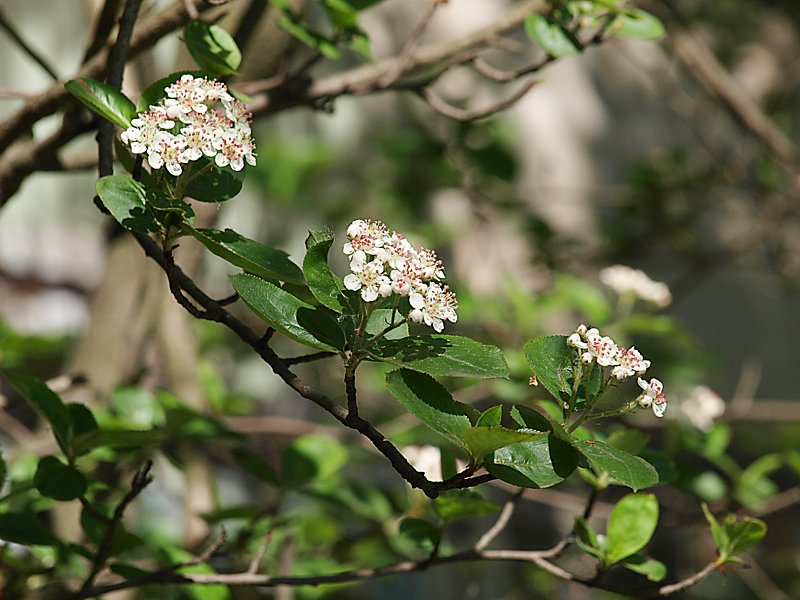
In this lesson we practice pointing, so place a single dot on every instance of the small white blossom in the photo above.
(625, 280)
(438, 304)
(702, 407)
(631, 363)
(201, 113)
(652, 396)
(604, 349)
(369, 280)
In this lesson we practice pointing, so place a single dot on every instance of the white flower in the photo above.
(575, 341)
(604, 349)
(652, 396)
(369, 280)
(170, 151)
(702, 406)
(631, 363)
(625, 280)
(437, 305)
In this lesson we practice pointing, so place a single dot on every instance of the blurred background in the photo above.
(674, 157)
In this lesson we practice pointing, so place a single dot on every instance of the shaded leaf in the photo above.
(25, 528)
(426, 399)
(381, 319)
(286, 313)
(215, 184)
(312, 458)
(533, 463)
(56, 480)
(256, 466)
(325, 286)
(463, 504)
(252, 256)
(481, 441)
(48, 404)
(125, 200)
(443, 355)
(422, 533)
(118, 439)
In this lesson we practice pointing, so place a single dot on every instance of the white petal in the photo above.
(352, 282)
(416, 300)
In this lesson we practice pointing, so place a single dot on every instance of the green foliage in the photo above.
(324, 285)
(630, 526)
(442, 355)
(733, 535)
(553, 37)
(212, 48)
(248, 254)
(626, 469)
(109, 103)
(125, 200)
(289, 315)
(637, 24)
(58, 481)
(213, 183)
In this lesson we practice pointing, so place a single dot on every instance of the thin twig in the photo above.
(406, 55)
(259, 555)
(33, 54)
(502, 520)
(307, 358)
(453, 112)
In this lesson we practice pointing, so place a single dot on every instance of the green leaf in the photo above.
(426, 399)
(637, 24)
(741, 535)
(552, 37)
(256, 466)
(215, 184)
(288, 315)
(491, 417)
(422, 533)
(312, 458)
(625, 468)
(539, 463)
(651, 568)
(551, 360)
(311, 38)
(630, 526)
(48, 404)
(587, 539)
(529, 418)
(56, 480)
(443, 355)
(26, 529)
(325, 286)
(249, 255)
(109, 103)
(125, 200)
(481, 441)
(117, 439)
(463, 504)
(719, 535)
(381, 318)
(213, 48)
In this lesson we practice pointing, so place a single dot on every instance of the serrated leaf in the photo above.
(125, 200)
(252, 256)
(533, 463)
(58, 481)
(481, 441)
(106, 101)
(627, 469)
(553, 38)
(529, 418)
(325, 286)
(443, 355)
(637, 24)
(551, 361)
(213, 48)
(426, 399)
(48, 404)
(491, 417)
(630, 526)
(26, 529)
(285, 313)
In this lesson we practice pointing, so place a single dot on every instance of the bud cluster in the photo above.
(383, 262)
(624, 363)
(199, 117)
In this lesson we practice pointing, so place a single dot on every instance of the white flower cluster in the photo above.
(383, 262)
(197, 118)
(624, 280)
(624, 363)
